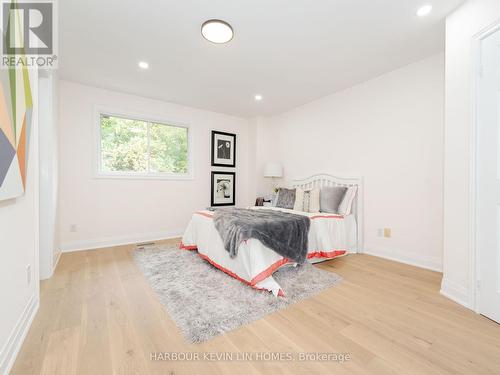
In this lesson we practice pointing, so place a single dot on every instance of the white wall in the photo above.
(111, 211)
(461, 26)
(388, 130)
(18, 249)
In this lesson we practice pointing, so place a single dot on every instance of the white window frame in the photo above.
(99, 173)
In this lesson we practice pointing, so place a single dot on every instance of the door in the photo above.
(488, 178)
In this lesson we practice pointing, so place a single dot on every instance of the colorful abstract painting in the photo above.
(16, 108)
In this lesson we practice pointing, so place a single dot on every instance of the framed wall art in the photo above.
(223, 149)
(223, 189)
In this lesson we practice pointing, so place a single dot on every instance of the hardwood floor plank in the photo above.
(95, 347)
(61, 357)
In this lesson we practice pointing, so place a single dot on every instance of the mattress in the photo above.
(330, 236)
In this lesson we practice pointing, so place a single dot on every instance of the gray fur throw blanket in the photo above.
(283, 232)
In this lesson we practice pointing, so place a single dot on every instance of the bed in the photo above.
(330, 236)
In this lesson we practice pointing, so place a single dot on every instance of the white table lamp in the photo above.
(273, 170)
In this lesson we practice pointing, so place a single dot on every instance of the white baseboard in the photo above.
(54, 265)
(429, 264)
(14, 342)
(56, 262)
(116, 241)
(455, 292)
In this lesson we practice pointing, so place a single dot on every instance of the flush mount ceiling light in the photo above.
(217, 31)
(143, 65)
(424, 11)
(258, 97)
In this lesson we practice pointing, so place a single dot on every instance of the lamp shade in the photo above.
(273, 169)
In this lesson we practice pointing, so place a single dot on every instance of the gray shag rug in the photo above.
(205, 302)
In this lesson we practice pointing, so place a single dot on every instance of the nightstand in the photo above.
(261, 201)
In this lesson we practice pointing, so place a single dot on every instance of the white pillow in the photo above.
(314, 200)
(345, 206)
(299, 200)
(306, 200)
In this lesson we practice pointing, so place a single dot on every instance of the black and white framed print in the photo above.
(223, 189)
(223, 149)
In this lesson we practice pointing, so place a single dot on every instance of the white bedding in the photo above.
(330, 236)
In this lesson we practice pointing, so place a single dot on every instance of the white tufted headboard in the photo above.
(322, 180)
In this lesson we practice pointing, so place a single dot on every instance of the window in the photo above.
(134, 147)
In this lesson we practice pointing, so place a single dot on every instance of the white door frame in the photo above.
(47, 186)
(473, 206)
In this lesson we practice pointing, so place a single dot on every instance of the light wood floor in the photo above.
(98, 315)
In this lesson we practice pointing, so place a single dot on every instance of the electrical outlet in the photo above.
(73, 228)
(387, 232)
(380, 232)
(28, 274)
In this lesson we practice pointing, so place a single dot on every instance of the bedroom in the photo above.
(357, 140)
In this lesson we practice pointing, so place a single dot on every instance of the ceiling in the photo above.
(289, 51)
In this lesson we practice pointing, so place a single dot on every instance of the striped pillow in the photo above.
(306, 200)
